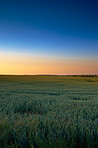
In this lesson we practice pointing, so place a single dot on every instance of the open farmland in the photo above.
(48, 112)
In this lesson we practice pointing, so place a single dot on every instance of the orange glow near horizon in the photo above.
(19, 64)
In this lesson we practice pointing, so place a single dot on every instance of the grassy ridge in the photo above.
(48, 111)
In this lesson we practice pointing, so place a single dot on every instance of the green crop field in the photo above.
(48, 111)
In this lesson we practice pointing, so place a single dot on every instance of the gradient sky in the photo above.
(49, 37)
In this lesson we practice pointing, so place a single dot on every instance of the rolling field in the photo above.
(48, 112)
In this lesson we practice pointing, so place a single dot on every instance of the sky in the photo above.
(49, 37)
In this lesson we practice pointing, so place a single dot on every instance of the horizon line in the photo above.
(49, 75)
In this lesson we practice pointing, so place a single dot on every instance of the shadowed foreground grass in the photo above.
(48, 112)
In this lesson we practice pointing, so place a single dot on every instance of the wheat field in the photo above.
(48, 111)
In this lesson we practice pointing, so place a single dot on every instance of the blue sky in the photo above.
(50, 27)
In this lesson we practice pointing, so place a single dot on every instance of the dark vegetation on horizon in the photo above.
(49, 111)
